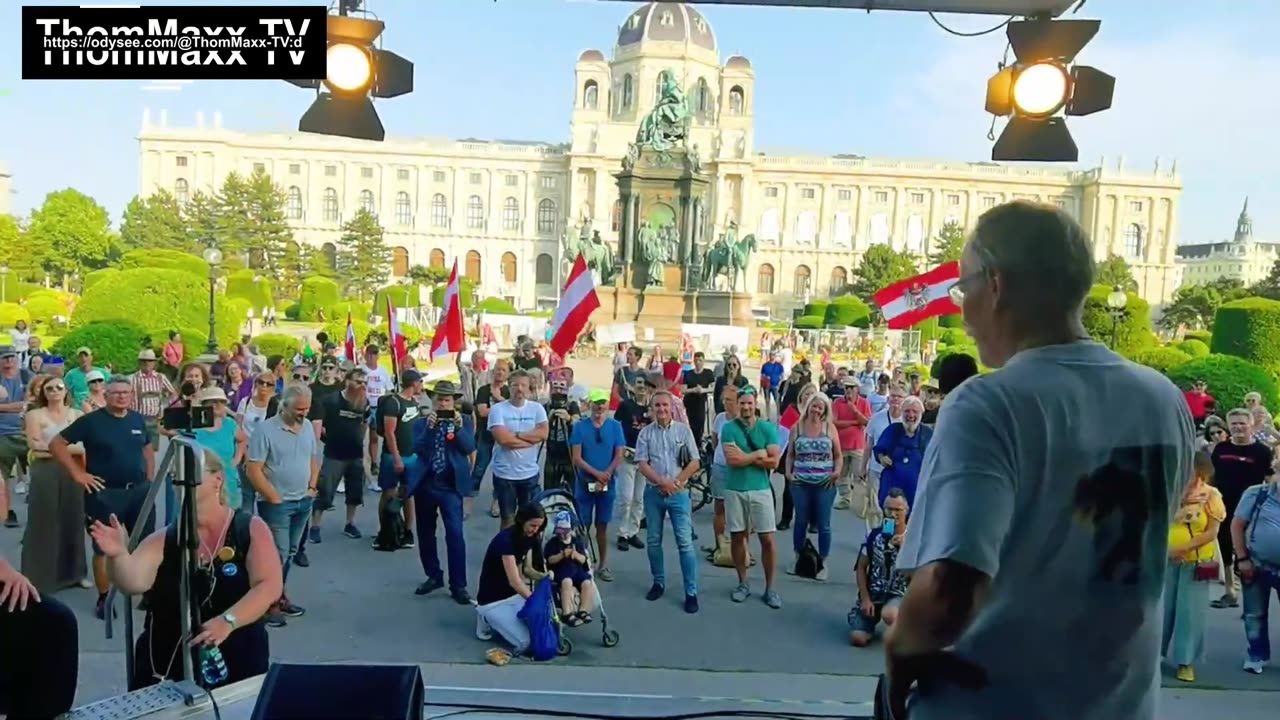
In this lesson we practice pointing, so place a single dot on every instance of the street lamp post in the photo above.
(1116, 302)
(213, 256)
(4, 282)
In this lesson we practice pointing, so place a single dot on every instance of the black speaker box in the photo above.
(341, 692)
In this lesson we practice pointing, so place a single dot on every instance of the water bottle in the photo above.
(212, 666)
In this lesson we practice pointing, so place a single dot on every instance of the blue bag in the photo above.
(538, 615)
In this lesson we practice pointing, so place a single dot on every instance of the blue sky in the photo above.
(1195, 83)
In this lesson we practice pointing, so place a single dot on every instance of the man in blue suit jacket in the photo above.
(445, 445)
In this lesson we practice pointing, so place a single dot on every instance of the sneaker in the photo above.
(342, 487)
(85, 583)
(604, 574)
(11, 520)
(740, 593)
(407, 540)
(1186, 673)
(300, 559)
(623, 545)
(20, 487)
(644, 524)
(313, 535)
(288, 609)
(275, 618)
(460, 596)
(771, 599)
(823, 574)
(691, 604)
(655, 592)
(430, 586)
(351, 531)
(784, 525)
(841, 504)
(635, 542)
(483, 631)
(1255, 666)
(1226, 601)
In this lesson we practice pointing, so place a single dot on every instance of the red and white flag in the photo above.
(349, 343)
(449, 337)
(906, 303)
(577, 302)
(399, 345)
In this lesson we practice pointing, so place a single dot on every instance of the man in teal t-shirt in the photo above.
(76, 382)
(751, 451)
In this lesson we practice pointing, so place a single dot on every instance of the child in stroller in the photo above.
(566, 556)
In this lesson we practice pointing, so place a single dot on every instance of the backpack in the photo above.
(538, 615)
(808, 561)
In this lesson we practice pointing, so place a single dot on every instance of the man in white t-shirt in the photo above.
(379, 384)
(519, 428)
(1038, 543)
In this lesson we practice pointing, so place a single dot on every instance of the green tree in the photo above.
(155, 223)
(71, 232)
(1268, 287)
(200, 215)
(363, 259)
(1115, 271)
(948, 245)
(270, 234)
(881, 267)
(23, 261)
(1195, 305)
(231, 225)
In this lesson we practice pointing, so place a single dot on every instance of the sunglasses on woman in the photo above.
(264, 383)
(54, 388)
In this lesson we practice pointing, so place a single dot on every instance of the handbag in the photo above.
(1206, 571)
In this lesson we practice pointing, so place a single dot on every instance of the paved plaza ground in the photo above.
(361, 608)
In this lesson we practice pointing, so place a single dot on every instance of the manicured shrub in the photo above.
(167, 260)
(1203, 336)
(241, 284)
(928, 329)
(402, 296)
(195, 341)
(809, 322)
(157, 300)
(291, 311)
(954, 336)
(1194, 348)
(846, 311)
(45, 305)
(951, 321)
(816, 307)
(277, 344)
(925, 372)
(317, 292)
(92, 277)
(496, 306)
(466, 293)
(1133, 333)
(239, 308)
(1162, 359)
(1229, 378)
(11, 313)
(1249, 329)
(115, 343)
(15, 290)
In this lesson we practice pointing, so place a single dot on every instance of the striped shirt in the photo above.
(151, 394)
(663, 447)
(814, 460)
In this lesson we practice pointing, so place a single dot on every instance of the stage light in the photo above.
(349, 68)
(1041, 86)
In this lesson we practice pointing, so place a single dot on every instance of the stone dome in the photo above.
(591, 56)
(737, 61)
(667, 22)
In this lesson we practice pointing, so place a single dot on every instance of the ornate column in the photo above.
(686, 230)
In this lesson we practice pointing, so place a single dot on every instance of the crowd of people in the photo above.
(1055, 503)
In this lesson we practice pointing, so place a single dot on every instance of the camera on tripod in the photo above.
(187, 416)
(559, 401)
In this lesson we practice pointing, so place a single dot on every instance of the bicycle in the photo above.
(700, 483)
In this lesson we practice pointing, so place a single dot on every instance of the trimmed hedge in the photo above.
(10, 314)
(402, 296)
(1249, 329)
(1194, 348)
(158, 300)
(954, 336)
(1134, 331)
(45, 305)
(928, 329)
(114, 343)
(816, 307)
(809, 322)
(466, 291)
(239, 309)
(1162, 359)
(846, 311)
(277, 344)
(952, 321)
(93, 277)
(1229, 378)
(925, 372)
(241, 284)
(964, 349)
(496, 306)
(317, 292)
(1203, 336)
(166, 260)
(15, 290)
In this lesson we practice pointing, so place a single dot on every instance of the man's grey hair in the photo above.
(293, 392)
(120, 380)
(658, 393)
(1041, 253)
(1240, 413)
(912, 401)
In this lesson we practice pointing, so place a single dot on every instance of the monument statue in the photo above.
(666, 127)
(729, 257)
(597, 254)
(670, 238)
(653, 253)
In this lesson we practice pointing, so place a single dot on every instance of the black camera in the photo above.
(559, 401)
(445, 414)
(186, 418)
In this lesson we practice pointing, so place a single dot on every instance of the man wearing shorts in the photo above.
(751, 452)
(343, 427)
(398, 415)
(519, 428)
(119, 462)
(13, 440)
(598, 447)
(719, 469)
(880, 587)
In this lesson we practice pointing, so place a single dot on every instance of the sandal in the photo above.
(573, 621)
(585, 617)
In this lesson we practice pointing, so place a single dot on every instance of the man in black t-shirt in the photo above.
(698, 384)
(1238, 464)
(561, 415)
(633, 414)
(397, 421)
(328, 382)
(343, 425)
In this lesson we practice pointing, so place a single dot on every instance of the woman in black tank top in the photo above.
(239, 578)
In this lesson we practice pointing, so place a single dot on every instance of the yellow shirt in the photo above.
(1192, 518)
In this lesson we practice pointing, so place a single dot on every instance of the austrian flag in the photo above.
(577, 302)
(906, 303)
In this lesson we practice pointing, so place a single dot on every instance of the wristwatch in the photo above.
(231, 620)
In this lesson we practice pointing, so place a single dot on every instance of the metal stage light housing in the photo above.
(344, 117)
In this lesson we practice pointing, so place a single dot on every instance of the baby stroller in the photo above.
(552, 502)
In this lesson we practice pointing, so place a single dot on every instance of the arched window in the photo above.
(511, 214)
(764, 279)
(546, 216)
(475, 213)
(615, 219)
(509, 267)
(437, 258)
(293, 204)
(404, 209)
(737, 100)
(439, 211)
(702, 97)
(473, 266)
(628, 92)
(366, 202)
(839, 279)
(544, 270)
(1133, 241)
(801, 286)
(181, 191)
(329, 205)
(399, 262)
(591, 95)
(330, 254)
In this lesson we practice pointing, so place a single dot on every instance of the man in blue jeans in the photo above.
(1255, 531)
(444, 445)
(667, 456)
(283, 464)
(519, 428)
(597, 446)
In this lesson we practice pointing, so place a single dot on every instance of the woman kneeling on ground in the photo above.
(513, 553)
